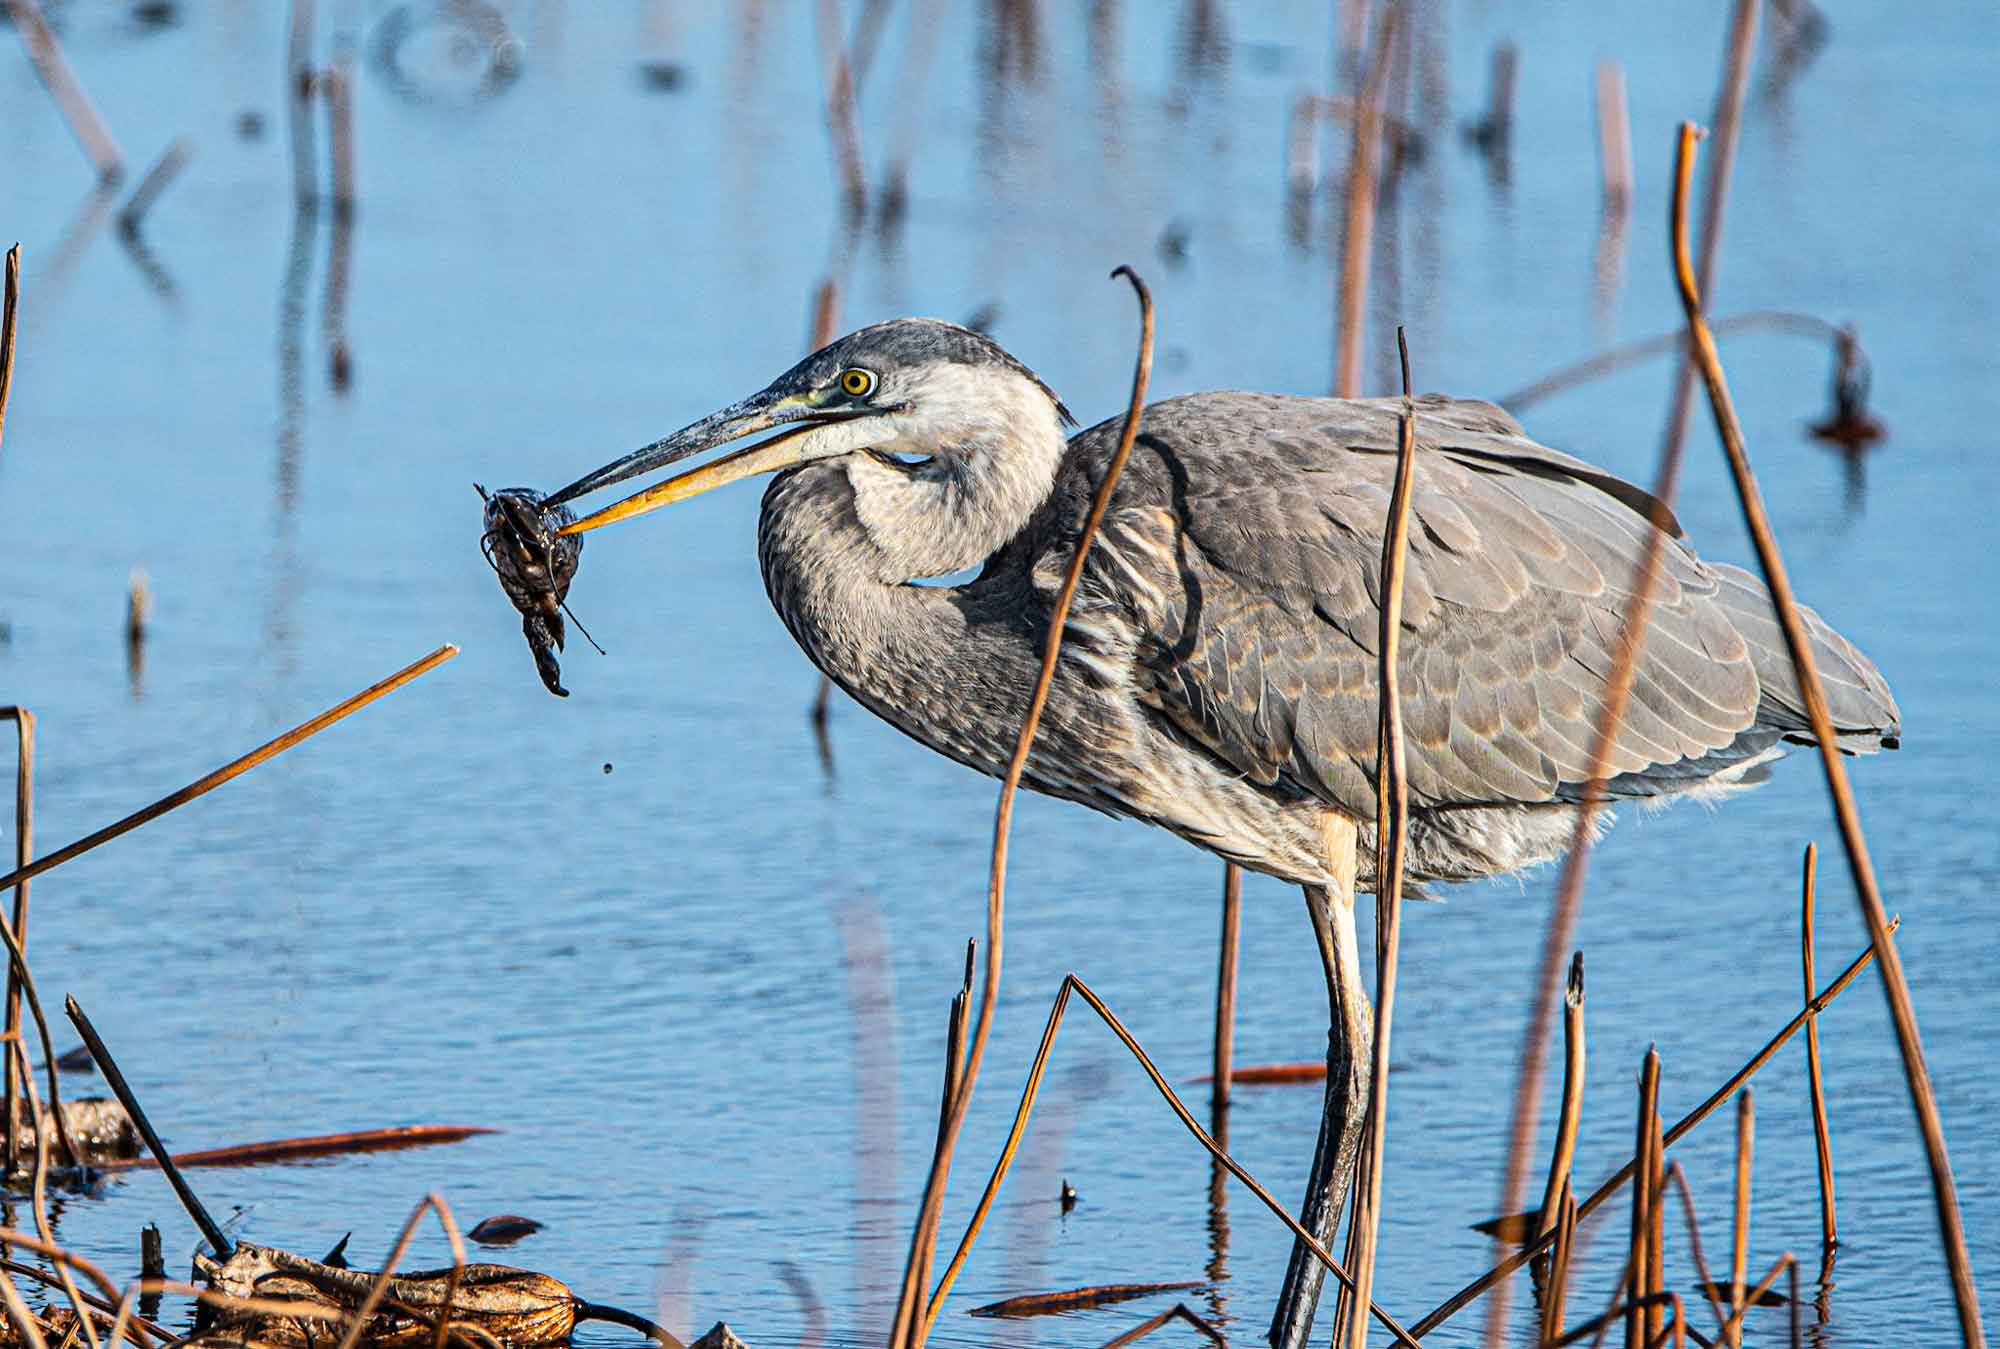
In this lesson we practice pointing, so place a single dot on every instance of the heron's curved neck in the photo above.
(989, 464)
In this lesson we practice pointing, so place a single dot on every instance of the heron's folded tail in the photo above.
(1864, 712)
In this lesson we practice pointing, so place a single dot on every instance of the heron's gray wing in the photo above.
(1243, 552)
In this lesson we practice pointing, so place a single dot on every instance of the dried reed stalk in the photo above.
(1576, 864)
(1225, 985)
(1029, 1092)
(24, 850)
(1495, 1276)
(9, 303)
(18, 1315)
(1572, 1098)
(1639, 1262)
(1656, 1240)
(912, 1325)
(58, 1255)
(435, 1203)
(1555, 1292)
(1392, 814)
(1732, 1328)
(1727, 121)
(1822, 1137)
(1709, 1287)
(47, 55)
(1739, 1239)
(236, 768)
(39, 1195)
(1614, 138)
(1360, 230)
(217, 1239)
(1895, 986)
(1619, 358)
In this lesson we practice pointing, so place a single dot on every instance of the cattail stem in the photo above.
(1739, 1245)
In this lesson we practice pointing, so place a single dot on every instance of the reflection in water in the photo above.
(83, 226)
(449, 51)
(280, 630)
(919, 47)
(1493, 134)
(871, 998)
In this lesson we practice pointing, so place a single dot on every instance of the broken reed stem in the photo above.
(1496, 1276)
(157, 180)
(1572, 1097)
(435, 1203)
(1728, 118)
(1392, 812)
(1709, 1287)
(1639, 1262)
(24, 850)
(954, 1070)
(1614, 138)
(912, 1324)
(47, 55)
(1895, 986)
(1739, 1240)
(1822, 1137)
(1360, 230)
(1029, 1091)
(236, 768)
(17, 964)
(1632, 353)
(1576, 864)
(8, 305)
(40, 1192)
(839, 76)
(217, 1239)
(1225, 983)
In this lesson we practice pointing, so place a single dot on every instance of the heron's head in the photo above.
(923, 400)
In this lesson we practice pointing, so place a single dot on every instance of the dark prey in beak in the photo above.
(535, 566)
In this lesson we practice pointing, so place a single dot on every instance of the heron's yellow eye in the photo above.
(856, 383)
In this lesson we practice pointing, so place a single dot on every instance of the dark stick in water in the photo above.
(222, 1245)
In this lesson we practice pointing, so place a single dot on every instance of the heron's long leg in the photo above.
(1347, 1072)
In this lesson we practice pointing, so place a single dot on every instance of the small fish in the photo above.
(535, 566)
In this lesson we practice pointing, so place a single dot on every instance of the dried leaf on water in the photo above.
(1078, 1299)
(503, 1229)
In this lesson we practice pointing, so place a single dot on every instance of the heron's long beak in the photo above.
(796, 413)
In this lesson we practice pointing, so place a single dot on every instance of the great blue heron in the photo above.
(1218, 671)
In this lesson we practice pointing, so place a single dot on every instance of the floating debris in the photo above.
(504, 1229)
(76, 1060)
(337, 1257)
(97, 1125)
(312, 1145)
(535, 566)
(719, 1336)
(1067, 1198)
(1079, 1299)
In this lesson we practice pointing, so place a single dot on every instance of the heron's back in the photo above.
(1240, 563)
